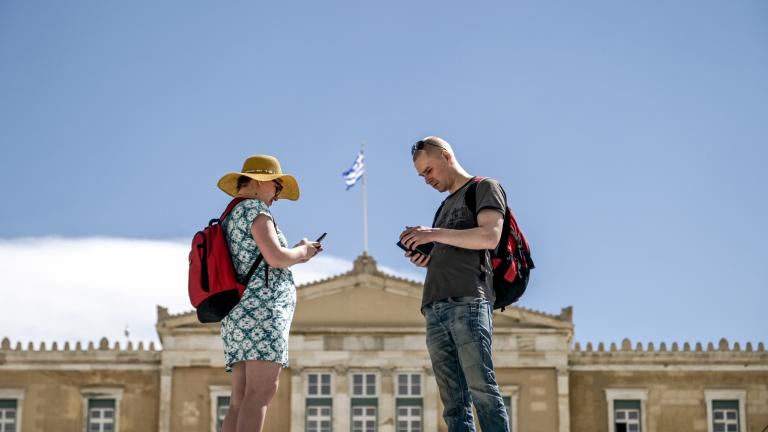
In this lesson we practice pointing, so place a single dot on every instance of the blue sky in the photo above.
(631, 139)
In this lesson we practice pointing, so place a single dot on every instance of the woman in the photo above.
(255, 332)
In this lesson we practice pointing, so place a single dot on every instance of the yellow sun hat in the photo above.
(262, 168)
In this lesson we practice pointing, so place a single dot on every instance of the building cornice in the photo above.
(722, 355)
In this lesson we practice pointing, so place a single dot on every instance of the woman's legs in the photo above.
(261, 380)
(236, 398)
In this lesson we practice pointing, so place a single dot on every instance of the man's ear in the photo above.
(446, 155)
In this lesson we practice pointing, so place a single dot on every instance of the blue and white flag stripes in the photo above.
(352, 175)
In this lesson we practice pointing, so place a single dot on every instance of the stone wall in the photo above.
(675, 380)
(57, 382)
(191, 403)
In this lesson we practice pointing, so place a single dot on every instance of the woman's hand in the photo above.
(309, 249)
(277, 256)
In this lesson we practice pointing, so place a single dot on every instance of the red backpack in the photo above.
(214, 288)
(511, 260)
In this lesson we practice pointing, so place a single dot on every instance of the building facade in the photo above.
(359, 363)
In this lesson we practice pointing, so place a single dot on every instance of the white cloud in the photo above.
(54, 289)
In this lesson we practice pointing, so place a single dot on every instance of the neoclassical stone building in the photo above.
(359, 363)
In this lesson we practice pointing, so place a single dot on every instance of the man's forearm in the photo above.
(474, 238)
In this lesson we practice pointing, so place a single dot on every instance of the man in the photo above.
(458, 297)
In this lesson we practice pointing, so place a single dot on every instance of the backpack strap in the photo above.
(260, 257)
(230, 207)
(470, 198)
(253, 269)
(437, 213)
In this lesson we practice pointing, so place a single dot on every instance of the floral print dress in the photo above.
(257, 328)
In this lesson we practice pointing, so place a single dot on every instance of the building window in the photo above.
(409, 403)
(11, 404)
(219, 400)
(364, 384)
(8, 415)
(101, 415)
(409, 385)
(508, 408)
(626, 409)
(101, 409)
(363, 418)
(725, 415)
(364, 402)
(626, 415)
(510, 395)
(409, 418)
(318, 384)
(222, 406)
(725, 410)
(318, 414)
(318, 419)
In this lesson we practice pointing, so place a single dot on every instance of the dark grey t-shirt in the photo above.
(456, 272)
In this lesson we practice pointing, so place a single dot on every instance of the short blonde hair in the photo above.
(431, 146)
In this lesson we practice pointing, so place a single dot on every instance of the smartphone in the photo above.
(319, 239)
(423, 249)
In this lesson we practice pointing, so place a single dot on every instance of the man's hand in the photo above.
(417, 258)
(414, 236)
(484, 236)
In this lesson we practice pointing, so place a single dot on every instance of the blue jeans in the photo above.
(459, 332)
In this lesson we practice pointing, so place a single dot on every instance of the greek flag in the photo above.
(352, 175)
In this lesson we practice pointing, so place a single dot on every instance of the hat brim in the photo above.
(228, 184)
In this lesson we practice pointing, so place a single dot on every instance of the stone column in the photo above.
(563, 398)
(387, 401)
(431, 397)
(341, 407)
(166, 376)
(298, 403)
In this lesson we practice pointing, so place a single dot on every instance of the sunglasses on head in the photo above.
(420, 146)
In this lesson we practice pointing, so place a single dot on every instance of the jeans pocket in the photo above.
(462, 300)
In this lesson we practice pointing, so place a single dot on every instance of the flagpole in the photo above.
(365, 205)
